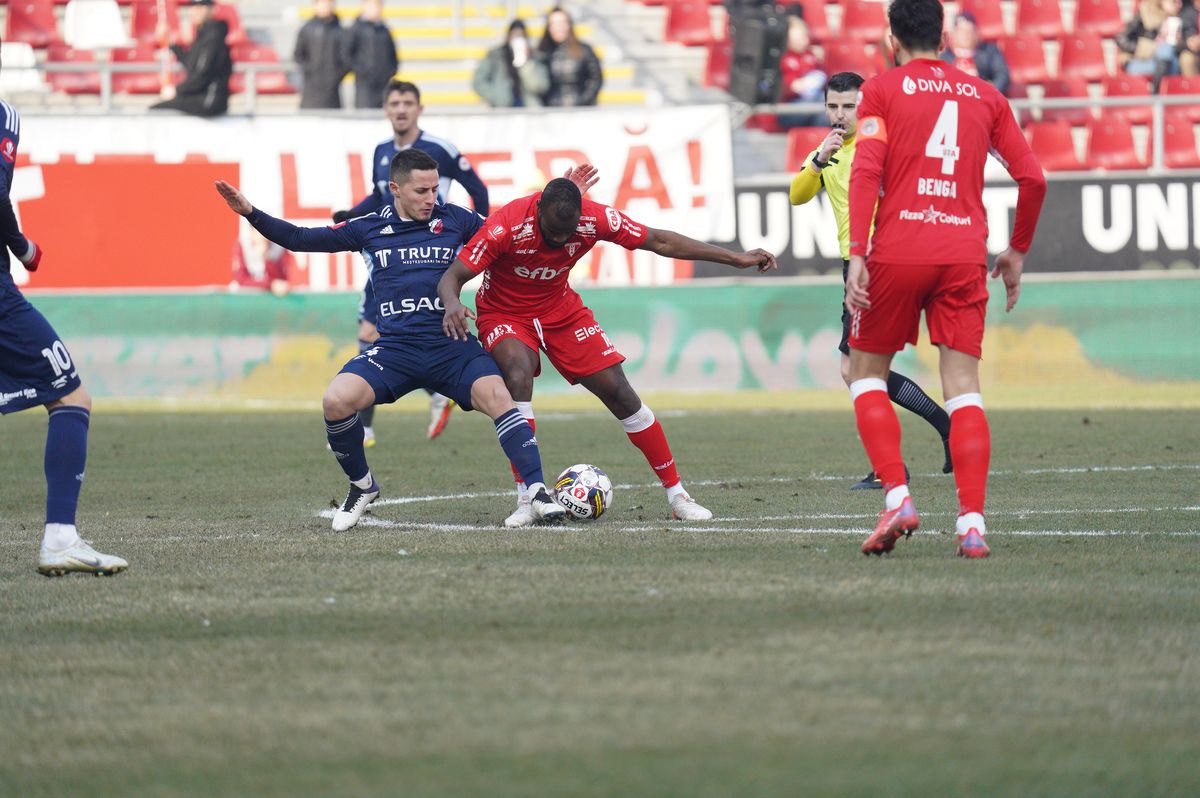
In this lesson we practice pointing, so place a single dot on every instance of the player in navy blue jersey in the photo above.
(402, 106)
(408, 244)
(36, 369)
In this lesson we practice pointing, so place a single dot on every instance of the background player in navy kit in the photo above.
(36, 369)
(409, 245)
(402, 106)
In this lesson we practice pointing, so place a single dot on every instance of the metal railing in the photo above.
(1157, 105)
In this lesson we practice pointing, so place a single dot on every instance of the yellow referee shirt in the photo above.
(835, 178)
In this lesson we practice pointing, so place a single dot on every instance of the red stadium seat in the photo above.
(1020, 91)
(1054, 146)
(851, 55)
(1026, 58)
(265, 82)
(229, 13)
(817, 20)
(1178, 84)
(1128, 86)
(1063, 88)
(1179, 143)
(1099, 17)
(136, 82)
(144, 20)
(988, 18)
(72, 82)
(1082, 56)
(32, 22)
(801, 141)
(688, 22)
(864, 19)
(1041, 18)
(717, 64)
(768, 123)
(1110, 146)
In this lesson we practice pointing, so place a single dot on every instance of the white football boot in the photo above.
(545, 509)
(685, 508)
(439, 414)
(523, 516)
(355, 505)
(79, 557)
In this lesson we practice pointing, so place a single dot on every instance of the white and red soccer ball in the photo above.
(584, 491)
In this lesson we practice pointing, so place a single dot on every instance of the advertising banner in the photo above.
(1097, 335)
(122, 202)
(1087, 224)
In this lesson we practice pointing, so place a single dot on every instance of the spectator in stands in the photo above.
(371, 55)
(575, 74)
(320, 53)
(968, 53)
(802, 78)
(207, 64)
(262, 264)
(1189, 56)
(1152, 40)
(512, 75)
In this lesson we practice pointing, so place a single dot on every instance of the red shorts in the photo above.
(571, 339)
(954, 299)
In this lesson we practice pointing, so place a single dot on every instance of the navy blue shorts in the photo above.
(394, 366)
(35, 366)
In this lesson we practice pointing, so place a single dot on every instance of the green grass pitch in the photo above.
(251, 651)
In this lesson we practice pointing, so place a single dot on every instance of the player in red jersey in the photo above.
(924, 133)
(525, 252)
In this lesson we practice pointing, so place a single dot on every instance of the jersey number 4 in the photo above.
(943, 141)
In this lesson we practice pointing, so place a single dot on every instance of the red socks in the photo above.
(971, 450)
(653, 443)
(879, 429)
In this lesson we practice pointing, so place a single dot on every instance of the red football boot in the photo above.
(972, 544)
(893, 524)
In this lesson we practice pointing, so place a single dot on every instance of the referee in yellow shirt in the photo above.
(828, 167)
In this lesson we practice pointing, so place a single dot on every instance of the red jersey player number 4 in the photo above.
(924, 134)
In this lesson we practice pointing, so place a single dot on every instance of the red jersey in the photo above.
(793, 66)
(521, 275)
(924, 133)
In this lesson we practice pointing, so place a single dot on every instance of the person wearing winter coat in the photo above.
(207, 64)
(575, 74)
(512, 75)
(371, 55)
(320, 53)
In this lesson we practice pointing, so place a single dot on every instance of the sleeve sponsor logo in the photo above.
(614, 219)
(8, 150)
(496, 232)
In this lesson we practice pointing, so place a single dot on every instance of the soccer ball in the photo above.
(584, 491)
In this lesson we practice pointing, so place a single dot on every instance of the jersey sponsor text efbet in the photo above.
(524, 275)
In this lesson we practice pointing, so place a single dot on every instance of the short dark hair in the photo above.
(917, 24)
(561, 198)
(843, 81)
(405, 162)
(402, 86)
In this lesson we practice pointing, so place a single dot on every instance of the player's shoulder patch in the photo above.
(8, 150)
(496, 232)
(872, 127)
(614, 219)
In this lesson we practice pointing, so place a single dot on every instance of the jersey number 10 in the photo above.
(943, 141)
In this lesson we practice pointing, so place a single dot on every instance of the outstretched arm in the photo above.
(449, 289)
(670, 244)
(285, 234)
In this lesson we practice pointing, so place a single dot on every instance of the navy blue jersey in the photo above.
(10, 231)
(405, 258)
(452, 166)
